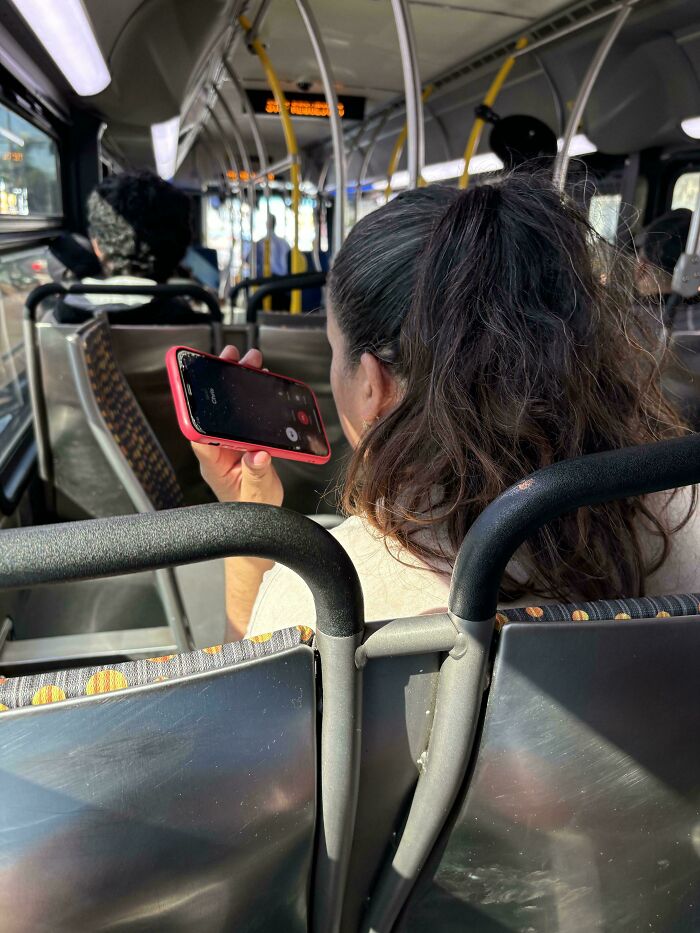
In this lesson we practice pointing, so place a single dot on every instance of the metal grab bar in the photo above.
(545, 495)
(411, 81)
(292, 149)
(179, 290)
(488, 101)
(561, 163)
(102, 547)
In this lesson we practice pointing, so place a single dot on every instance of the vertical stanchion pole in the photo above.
(561, 164)
(412, 90)
(488, 101)
(339, 164)
(246, 166)
(293, 151)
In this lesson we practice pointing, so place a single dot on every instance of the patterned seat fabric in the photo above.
(37, 689)
(643, 607)
(125, 421)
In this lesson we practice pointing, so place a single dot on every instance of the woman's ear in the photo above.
(377, 388)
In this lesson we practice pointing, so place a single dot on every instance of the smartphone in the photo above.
(224, 403)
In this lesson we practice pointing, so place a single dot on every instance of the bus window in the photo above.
(685, 191)
(20, 272)
(603, 215)
(30, 192)
(29, 171)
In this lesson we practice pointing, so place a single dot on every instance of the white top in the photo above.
(395, 588)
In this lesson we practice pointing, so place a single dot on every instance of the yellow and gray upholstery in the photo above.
(54, 686)
(123, 418)
(50, 687)
(644, 607)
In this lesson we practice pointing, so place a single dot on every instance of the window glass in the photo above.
(226, 222)
(20, 272)
(685, 191)
(603, 215)
(29, 169)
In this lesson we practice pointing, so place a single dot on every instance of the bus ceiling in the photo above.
(176, 75)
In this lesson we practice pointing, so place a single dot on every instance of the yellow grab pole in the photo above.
(399, 144)
(488, 101)
(293, 151)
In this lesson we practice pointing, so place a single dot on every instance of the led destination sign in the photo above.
(308, 105)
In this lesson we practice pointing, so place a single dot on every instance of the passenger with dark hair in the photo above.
(140, 227)
(473, 343)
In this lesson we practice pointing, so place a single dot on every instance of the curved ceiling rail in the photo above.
(398, 149)
(293, 150)
(561, 163)
(259, 148)
(488, 101)
(246, 166)
(208, 143)
(543, 33)
(340, 167)
(411, 80)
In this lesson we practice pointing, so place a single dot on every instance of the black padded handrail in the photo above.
(282, 284)
(245, 284)
(169, 290)
(261, 280)
(553, 491)
(124, 544)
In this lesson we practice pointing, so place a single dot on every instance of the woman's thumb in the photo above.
(257, 464)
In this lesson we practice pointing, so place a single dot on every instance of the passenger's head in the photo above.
(140, 225)
(473, 343)
(659, 247)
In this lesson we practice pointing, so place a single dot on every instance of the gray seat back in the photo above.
(303, 352)
(582, 812)
(68, 457)
(72, 462)
(182, 805)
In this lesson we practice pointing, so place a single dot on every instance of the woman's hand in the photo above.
(234, 476)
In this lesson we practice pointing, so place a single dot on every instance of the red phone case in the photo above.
(192, 434)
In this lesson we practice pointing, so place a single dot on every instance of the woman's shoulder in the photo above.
(393, 583)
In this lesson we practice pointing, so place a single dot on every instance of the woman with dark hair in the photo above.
(473, 343)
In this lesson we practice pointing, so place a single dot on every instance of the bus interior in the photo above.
(471, 769)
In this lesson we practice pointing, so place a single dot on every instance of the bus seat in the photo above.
(140, 353)
(105, 460)
(183, 802)
(183, 704)
(574, 804)
(180, 803)
(582, 809)
(119, 425)
(301, 350)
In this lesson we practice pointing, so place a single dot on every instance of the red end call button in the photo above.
(303, 418)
